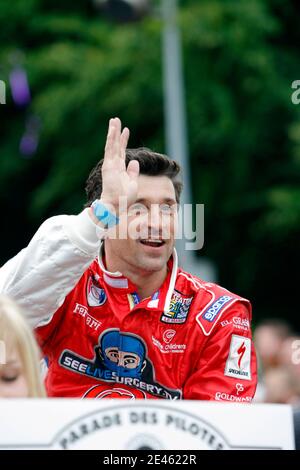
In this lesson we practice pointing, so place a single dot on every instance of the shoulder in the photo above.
(213, 303)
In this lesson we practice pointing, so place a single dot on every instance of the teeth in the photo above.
(158, 242)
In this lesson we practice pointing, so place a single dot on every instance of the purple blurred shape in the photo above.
(30, 139)
(19, 86)
(28, 144)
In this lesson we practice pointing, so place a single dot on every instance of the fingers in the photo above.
(117, 135)
(116, 141)
(123, 142)
(133, 169)
(110, 140)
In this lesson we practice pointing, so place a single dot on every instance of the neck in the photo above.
(146, 282)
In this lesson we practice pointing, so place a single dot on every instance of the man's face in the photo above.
(145, 235)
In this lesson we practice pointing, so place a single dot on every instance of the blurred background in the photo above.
(69, 66)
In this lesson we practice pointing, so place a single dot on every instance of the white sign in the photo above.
(156, 425)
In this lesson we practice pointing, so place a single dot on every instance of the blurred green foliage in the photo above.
(240, 60)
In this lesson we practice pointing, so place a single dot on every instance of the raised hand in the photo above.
(117, 181)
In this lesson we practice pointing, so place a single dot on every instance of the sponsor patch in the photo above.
(238, 364)
(168, 335)
(121, 359)
(90, 321)
(96, 296)
(223, 396)
(166, 346)
(213, 311)
(133, 299)
(239, 388)
(179, 308)
(237, 323)
(153, 303)
(207, 318)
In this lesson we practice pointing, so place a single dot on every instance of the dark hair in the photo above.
(151, 164)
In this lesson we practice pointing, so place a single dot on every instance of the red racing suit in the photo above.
(190, 340)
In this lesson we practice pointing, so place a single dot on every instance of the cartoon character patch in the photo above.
(120, 358)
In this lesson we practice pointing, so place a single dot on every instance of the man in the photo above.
(113, 313)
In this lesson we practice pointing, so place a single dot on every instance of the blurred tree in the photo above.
(244, 134)
(240, 60)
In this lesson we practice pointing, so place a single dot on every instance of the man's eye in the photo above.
(166, 209)
(137, 209)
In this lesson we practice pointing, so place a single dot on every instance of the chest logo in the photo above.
(168, 336)
(179, 308)
(122, 359)
(96, 296)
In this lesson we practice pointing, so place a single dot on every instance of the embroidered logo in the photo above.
(96, 296)
(179, 308)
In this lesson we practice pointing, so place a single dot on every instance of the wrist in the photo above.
(111, 206)
(103, 214)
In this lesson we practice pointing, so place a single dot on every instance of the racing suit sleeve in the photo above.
(226, 369)
(40, 276)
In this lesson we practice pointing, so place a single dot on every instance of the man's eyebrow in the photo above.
(168, 200)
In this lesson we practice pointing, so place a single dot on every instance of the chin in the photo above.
(150, 264)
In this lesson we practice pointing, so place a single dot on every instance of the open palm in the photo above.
(117, 180)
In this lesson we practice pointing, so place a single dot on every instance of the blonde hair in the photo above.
(14, 330)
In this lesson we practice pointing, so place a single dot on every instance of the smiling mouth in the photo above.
(152, 243)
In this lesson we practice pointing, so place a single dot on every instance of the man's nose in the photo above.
(155, 220)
